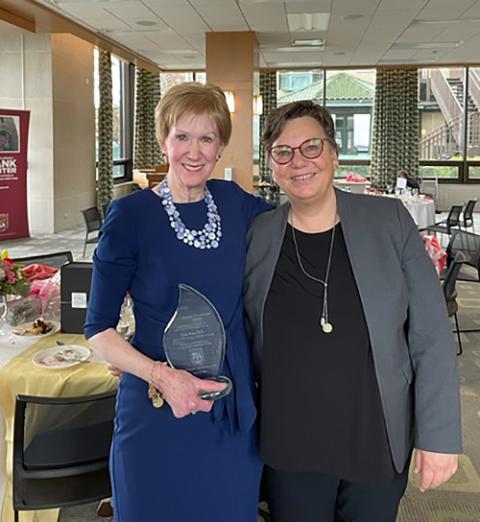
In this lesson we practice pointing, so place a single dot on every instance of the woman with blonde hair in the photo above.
(192, 459)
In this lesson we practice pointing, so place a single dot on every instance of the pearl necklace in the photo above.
(209, 236)
(326, 325)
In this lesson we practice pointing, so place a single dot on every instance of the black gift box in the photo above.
(74, 291)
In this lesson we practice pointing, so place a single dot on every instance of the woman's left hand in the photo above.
(434, 468)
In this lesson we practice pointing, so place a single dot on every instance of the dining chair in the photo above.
(93, 223)
(450, 294)
(468, 244)
(467, 217)
(61, 448)
(445, 226)
(56, 259)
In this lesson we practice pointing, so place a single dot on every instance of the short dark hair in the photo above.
(276, 120)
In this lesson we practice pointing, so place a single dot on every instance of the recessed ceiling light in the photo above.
(308, 21)
(352, 17)
(309, 42)
(146, 23)
(422, 21)
(427, 45)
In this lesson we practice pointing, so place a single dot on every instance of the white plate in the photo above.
(19, 330)
(61, 356)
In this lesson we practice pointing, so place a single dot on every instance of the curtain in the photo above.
(268, 92)
(395, 141)
(105, 129)
(147, 153)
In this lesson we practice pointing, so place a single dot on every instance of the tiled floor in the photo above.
(41, 244)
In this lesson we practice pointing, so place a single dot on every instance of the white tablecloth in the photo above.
(357, 187)
(421, 210)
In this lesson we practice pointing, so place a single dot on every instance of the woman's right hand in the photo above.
(181, 390)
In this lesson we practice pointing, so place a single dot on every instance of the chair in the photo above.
(445, 226)
(467, 218)
(93, 223)
(56, 259)
(468, 244)
(450, 294)
(60, 451)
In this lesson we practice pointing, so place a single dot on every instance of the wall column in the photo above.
(230, 62)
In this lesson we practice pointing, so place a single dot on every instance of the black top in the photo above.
(321, 408)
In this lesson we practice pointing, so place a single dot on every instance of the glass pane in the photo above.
(350, 96)
(118, 171)
(299, 85)
(358, 170)
(473, 143)
(168, 80)
(116, 112)
(441, 109)
(474, 172)
(440, 172)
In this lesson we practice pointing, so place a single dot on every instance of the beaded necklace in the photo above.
(209, 236)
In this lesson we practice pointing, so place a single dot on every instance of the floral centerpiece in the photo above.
(12, 280)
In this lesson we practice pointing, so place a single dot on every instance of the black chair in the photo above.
(56, 259)
(60, 451)
(93, 223)
(450, 294)
(467, 218)
(452, 221)
(468, 244)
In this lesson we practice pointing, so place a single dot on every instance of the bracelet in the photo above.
(154, 394)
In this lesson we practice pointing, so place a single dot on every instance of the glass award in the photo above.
(194, 339)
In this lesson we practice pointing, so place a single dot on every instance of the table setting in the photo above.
(37, 358)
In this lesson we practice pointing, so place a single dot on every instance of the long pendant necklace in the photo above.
(209, 236)
(326, 325)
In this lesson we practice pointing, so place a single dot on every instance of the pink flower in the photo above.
(11, 277)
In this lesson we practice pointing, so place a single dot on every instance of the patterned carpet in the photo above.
(459, 499)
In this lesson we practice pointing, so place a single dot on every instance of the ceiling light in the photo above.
(308, 21)
(350, 17)
(427, 45)
(146, 23)
(422, 21)
(309, 42)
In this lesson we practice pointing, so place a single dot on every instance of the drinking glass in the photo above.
(3, 313)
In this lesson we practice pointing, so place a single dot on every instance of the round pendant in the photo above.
(327, 327)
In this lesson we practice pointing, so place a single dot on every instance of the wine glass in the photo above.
(3, 314)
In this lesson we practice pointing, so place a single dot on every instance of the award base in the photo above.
(214, 396)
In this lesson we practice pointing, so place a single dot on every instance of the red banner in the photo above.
(13, 173)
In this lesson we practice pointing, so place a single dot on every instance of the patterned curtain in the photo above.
(268, 92)
(147, 93)
(395, 141)
(105, 129)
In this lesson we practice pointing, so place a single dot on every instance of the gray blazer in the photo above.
(410, 334)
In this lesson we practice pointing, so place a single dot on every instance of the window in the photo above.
(122, 111)
(349, 98)
(449, 104)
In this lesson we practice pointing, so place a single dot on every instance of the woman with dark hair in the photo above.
(353, 348)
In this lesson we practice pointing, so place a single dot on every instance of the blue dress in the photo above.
(202, 468)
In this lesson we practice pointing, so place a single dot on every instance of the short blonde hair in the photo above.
(195, 99)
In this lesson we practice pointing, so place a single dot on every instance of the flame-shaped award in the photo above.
(194, 339)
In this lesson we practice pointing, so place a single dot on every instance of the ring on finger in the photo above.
(193, 412)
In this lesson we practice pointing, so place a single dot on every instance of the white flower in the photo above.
(3, 275)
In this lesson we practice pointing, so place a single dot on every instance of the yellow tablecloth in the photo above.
(21, 376)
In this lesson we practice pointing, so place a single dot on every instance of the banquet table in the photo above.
(421, 209)
(19, 375)
(357, 187)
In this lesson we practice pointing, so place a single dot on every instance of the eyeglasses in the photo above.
(309, 149)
